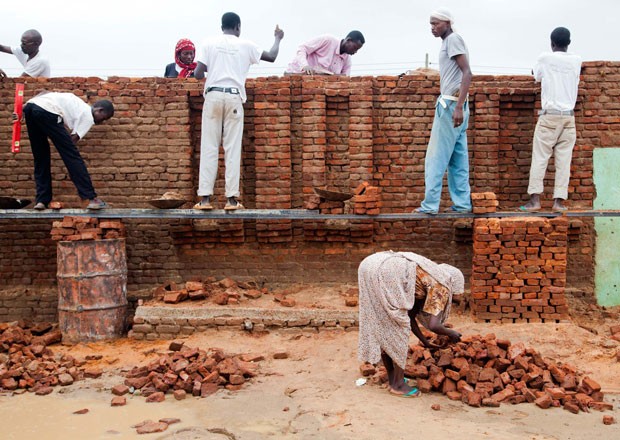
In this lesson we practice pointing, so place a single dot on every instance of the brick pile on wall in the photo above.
(519, 269)
(300, 133)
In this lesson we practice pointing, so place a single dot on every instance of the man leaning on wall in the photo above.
(326, 55)
(29, 55)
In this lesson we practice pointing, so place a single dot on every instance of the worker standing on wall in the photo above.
(447, 147)
(46, 116)
(227, 58)
(555, 133)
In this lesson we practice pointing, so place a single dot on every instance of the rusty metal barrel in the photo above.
(92, 289)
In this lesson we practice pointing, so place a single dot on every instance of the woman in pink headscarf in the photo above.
(184, 64)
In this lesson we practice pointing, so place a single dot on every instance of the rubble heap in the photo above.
(486, 371)
(188, 370)
(26, 362)
(86, 228)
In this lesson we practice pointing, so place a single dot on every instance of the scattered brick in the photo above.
(118, 401)
(608, 420)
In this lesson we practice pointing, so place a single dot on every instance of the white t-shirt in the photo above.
(75, 113)
(228, 60)
(37, 66)
(559, 76)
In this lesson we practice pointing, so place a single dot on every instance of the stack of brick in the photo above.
(519, 270)
(189, 371)
(27, 363)
(484, 203)
(367, 199)
(86, 228)
(485, 371)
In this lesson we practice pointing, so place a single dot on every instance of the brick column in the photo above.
(272, 143)
(519, 270)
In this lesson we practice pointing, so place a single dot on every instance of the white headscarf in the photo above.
(443, 14)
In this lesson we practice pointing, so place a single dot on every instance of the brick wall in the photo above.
(299, 133)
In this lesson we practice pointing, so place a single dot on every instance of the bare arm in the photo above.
(417, 306)
(275, 49)
(199, 72)
(5, 49)
(463, 63)
(436, 326)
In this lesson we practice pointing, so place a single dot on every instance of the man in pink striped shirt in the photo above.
(326, 55)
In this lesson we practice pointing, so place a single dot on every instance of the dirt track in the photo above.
(312, 394)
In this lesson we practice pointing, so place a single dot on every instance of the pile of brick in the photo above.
(223, 292)
(27, 364)
(367, 199)
(484, 203)
(485, 371)
(86, 228)
(519, 269)
(186, 371)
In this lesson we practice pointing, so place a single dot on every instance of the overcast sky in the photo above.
(137, 37)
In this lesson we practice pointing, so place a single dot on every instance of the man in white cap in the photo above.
(447, 147)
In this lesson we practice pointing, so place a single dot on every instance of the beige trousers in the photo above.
(554, 135)
(222, 124)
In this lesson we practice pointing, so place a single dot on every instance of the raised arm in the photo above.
(5, 49)
(275, 49)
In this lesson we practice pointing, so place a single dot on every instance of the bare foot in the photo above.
(533, 205)
(558, 205)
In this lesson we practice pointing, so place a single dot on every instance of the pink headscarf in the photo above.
(187, 69)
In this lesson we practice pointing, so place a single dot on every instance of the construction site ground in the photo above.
(312, 394)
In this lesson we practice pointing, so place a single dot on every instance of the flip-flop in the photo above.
(413, 393)
(422, 211)
(523, 208)
(203, 206)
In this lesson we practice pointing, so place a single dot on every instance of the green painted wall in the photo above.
(607, 183)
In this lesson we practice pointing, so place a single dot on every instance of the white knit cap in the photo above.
(443, 14)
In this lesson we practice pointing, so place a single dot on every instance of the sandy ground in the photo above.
(312, 394)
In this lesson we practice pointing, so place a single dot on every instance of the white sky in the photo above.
(137, 37)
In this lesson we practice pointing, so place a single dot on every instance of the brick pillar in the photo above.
(484, 142)
(519, 270)
(272, 143)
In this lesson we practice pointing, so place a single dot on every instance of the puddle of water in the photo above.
(31, 417)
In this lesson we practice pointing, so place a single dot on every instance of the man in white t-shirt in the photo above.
(227, 58)
(35, 65)
(47, 115)
(555, 133)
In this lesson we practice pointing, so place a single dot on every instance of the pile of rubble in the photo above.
(223, 292)
(485, 371)
(187, 371)
(27, 364)
(86, 228)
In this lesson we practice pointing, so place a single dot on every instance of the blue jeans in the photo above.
(447, 150)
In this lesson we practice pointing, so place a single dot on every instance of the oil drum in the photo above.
(92, 289)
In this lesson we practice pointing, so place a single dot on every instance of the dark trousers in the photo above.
(41, 126)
